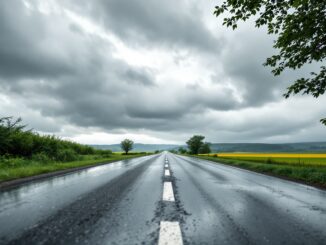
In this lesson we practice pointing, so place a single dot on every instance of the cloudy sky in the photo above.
(154, 71)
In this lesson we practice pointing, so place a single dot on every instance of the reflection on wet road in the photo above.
(23, 207)
(228, 205)
(123, 203)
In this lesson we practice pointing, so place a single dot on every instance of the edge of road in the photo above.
(4, 185)
(306, 184)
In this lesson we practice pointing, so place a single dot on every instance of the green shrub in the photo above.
(284, 171)
(18, 142)
(13, 162)
(106, 153)
(66, 155)
(41, 157)
(269, 161)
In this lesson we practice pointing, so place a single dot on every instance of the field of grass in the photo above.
(307, 168)
(14, 168)
(308, 159)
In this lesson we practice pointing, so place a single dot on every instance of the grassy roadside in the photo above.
(313, 175)
(309, 159)
(16, 168)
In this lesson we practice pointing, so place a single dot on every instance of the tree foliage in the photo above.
(182, 150)
(300, 28)
(323, 121)
(8, 127)
(205, 148)
(194, 143)
(127, 145)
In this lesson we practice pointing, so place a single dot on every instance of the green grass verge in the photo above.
(316, 162)
(315, 175)
(15, 168)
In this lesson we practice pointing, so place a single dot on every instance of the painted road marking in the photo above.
(170, 233)
(167, 172)
(166, 165)
(168, 192)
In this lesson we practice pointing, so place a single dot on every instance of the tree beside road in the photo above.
(300, 30)
(127, 145)
(197, 145)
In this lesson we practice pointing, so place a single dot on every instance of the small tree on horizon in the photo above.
(205, 148)
(194, 143)
(127, 145)
(182, 150)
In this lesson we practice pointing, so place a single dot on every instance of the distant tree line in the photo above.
(17, 141)
(195, 145)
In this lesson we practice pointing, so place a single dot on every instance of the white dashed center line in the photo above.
(170, 233)
(167, 172)
(168, 192)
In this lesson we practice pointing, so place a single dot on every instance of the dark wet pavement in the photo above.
(121, 203)
(228, 205)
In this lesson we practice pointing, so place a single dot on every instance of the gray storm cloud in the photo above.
(54, 68)
(147, 22)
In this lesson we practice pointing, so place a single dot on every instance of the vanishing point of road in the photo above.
(162, 199)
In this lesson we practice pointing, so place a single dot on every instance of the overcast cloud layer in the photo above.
(158, 72)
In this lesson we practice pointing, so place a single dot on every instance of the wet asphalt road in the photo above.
(121, 203)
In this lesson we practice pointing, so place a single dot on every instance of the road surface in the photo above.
(163, 199)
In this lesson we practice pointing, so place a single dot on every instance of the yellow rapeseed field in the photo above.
(270, 155)
(316, 159)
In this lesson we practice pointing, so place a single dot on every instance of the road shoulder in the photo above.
(8, 184)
